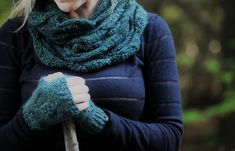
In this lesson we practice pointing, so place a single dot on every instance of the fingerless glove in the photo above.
(92, 120)
(50, 103)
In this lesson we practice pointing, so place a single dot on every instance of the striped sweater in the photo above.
(141, 95)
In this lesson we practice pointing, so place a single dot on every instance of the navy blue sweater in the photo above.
(141, 96)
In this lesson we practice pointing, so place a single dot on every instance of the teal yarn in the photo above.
(109, 36)
(93, 119)
(50, 103)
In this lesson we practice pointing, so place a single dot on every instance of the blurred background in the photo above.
(204, 33)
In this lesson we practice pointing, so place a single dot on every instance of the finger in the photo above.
(72, 81)
(60, 74)
(56, 75)
(83, 106)
(53, 76)
(79, 89)
(81, 98)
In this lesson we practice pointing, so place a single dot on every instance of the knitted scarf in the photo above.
(110, 35)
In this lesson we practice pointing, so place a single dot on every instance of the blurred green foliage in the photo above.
(219, 110)
(205, 43)
(5, 6)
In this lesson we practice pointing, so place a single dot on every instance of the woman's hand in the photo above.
(56, 98)
(77, 88)
(59, 97)
(91, 119)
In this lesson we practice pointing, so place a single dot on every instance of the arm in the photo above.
(161, 126)
(18, 131)
(14, 133)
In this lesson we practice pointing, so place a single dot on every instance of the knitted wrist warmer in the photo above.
(49, 104)
(93, 119)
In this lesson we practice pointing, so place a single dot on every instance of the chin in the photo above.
(66, 8)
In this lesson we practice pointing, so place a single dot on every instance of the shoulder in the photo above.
(156, 28)
(11, 39)
(10, 30)
(11, 25)
(157, 40)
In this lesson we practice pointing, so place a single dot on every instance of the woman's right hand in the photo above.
(92, 119)
(56, 98)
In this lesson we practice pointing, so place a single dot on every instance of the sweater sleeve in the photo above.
(161, 127)
(14, 133)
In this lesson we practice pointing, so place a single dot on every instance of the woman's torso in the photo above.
(118, 88)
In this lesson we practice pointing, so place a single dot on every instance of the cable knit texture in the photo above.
(52, 103)
(85, 45)
(148, 81)
(49, 104)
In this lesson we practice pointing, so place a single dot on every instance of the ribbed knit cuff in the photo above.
(93, 119)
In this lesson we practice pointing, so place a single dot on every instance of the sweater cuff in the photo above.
(111, 130)
(22, 128)
(93, 119)
(109, 134)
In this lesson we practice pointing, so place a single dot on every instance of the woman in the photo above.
(108, 65)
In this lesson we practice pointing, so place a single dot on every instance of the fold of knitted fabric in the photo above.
(107, 37)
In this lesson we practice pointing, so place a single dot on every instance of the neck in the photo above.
(85, 10)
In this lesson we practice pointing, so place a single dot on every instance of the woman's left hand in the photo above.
(77, 87)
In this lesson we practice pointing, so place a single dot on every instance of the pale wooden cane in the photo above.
(70, 136)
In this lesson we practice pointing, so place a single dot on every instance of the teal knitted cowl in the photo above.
(110, 35)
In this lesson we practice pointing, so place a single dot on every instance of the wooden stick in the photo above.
(70, 136)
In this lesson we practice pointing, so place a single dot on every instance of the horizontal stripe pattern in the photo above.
(2, 43)
(5, 67)
(116, 99)
(145, 93)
